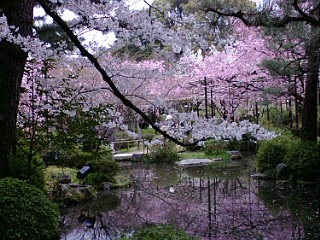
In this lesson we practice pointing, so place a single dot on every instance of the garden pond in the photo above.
(207, 202)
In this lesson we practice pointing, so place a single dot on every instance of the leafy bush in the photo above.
(303, 159)
(213, 147)
(18, 168)
(148, 136)
(26, 212)
(75, 159)
(272, 152)
(78, 158)
(103, 171)
(164, 153)
(159, 233)
(237, 145)
(148, 131)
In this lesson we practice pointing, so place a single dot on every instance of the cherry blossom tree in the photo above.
(234, 76)
(101, 16)
(279, 14)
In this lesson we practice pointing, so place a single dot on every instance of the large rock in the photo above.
(196, 162)
(137, 156)
(75, 193)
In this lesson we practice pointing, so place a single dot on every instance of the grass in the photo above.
(220, 154)
(187, 155)
(51, 171)
(201, 154)
(132, 149)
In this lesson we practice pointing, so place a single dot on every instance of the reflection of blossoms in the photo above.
(220, 207)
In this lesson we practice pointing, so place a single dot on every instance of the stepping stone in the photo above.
(195, 162)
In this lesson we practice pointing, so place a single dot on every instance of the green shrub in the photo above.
(272, 152)
(164, 153)
(78, 158)
(303, 159)
(148, 131)
(148, 136)
(103, 171)
(75, 159)
(159, 233)
(213, 147)
(26, 212)
(237, 145)
(18, 168)
(105, 153)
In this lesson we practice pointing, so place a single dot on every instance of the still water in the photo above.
(208, 203)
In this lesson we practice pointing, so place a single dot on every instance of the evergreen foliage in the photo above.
(301, 157)
(103, 171)
(26, 212)
(271, 153)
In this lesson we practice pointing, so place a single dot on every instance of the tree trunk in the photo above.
(296, 102)
(309, 120)
(206, 97)
(12, 61)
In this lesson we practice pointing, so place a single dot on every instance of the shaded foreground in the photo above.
(209, 203)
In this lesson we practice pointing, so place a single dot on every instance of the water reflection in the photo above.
(212, 204)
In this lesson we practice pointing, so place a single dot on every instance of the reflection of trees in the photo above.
(212, 208)
(87, 220)
(301, 201)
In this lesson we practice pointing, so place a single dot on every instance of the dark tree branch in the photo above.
(309, 18)
(104, 75)
(268, 22)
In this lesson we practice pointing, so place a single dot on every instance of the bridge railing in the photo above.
(141, 143)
